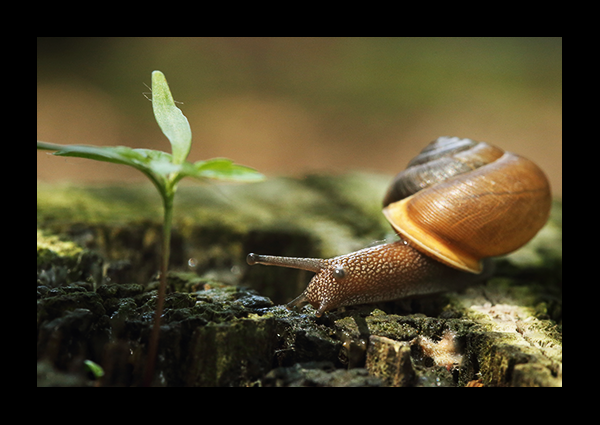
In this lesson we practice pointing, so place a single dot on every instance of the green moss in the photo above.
(52, 248)
(511, 335)
(101, 204)
(60, 261)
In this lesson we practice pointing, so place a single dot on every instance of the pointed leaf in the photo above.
(225, 169)
(169, 117)
(154, 164)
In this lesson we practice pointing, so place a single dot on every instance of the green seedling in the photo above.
(95, 368)
(165, 171)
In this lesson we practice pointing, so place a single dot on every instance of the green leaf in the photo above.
(156, 165)
(169, 117)
(225, 169)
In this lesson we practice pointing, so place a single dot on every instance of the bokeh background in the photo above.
(293, 106)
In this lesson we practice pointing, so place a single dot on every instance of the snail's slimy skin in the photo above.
(381, 273)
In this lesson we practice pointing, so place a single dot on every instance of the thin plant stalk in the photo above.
(162, 291)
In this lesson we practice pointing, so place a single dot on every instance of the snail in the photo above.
(458, 203)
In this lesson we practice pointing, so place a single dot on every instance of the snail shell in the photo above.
(461, 201)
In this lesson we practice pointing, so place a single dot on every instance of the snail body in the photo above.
(458, 203)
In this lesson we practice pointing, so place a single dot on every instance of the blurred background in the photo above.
(293, 106)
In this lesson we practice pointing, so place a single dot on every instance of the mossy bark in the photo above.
(98, 253)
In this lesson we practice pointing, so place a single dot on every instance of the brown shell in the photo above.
(461, 201)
